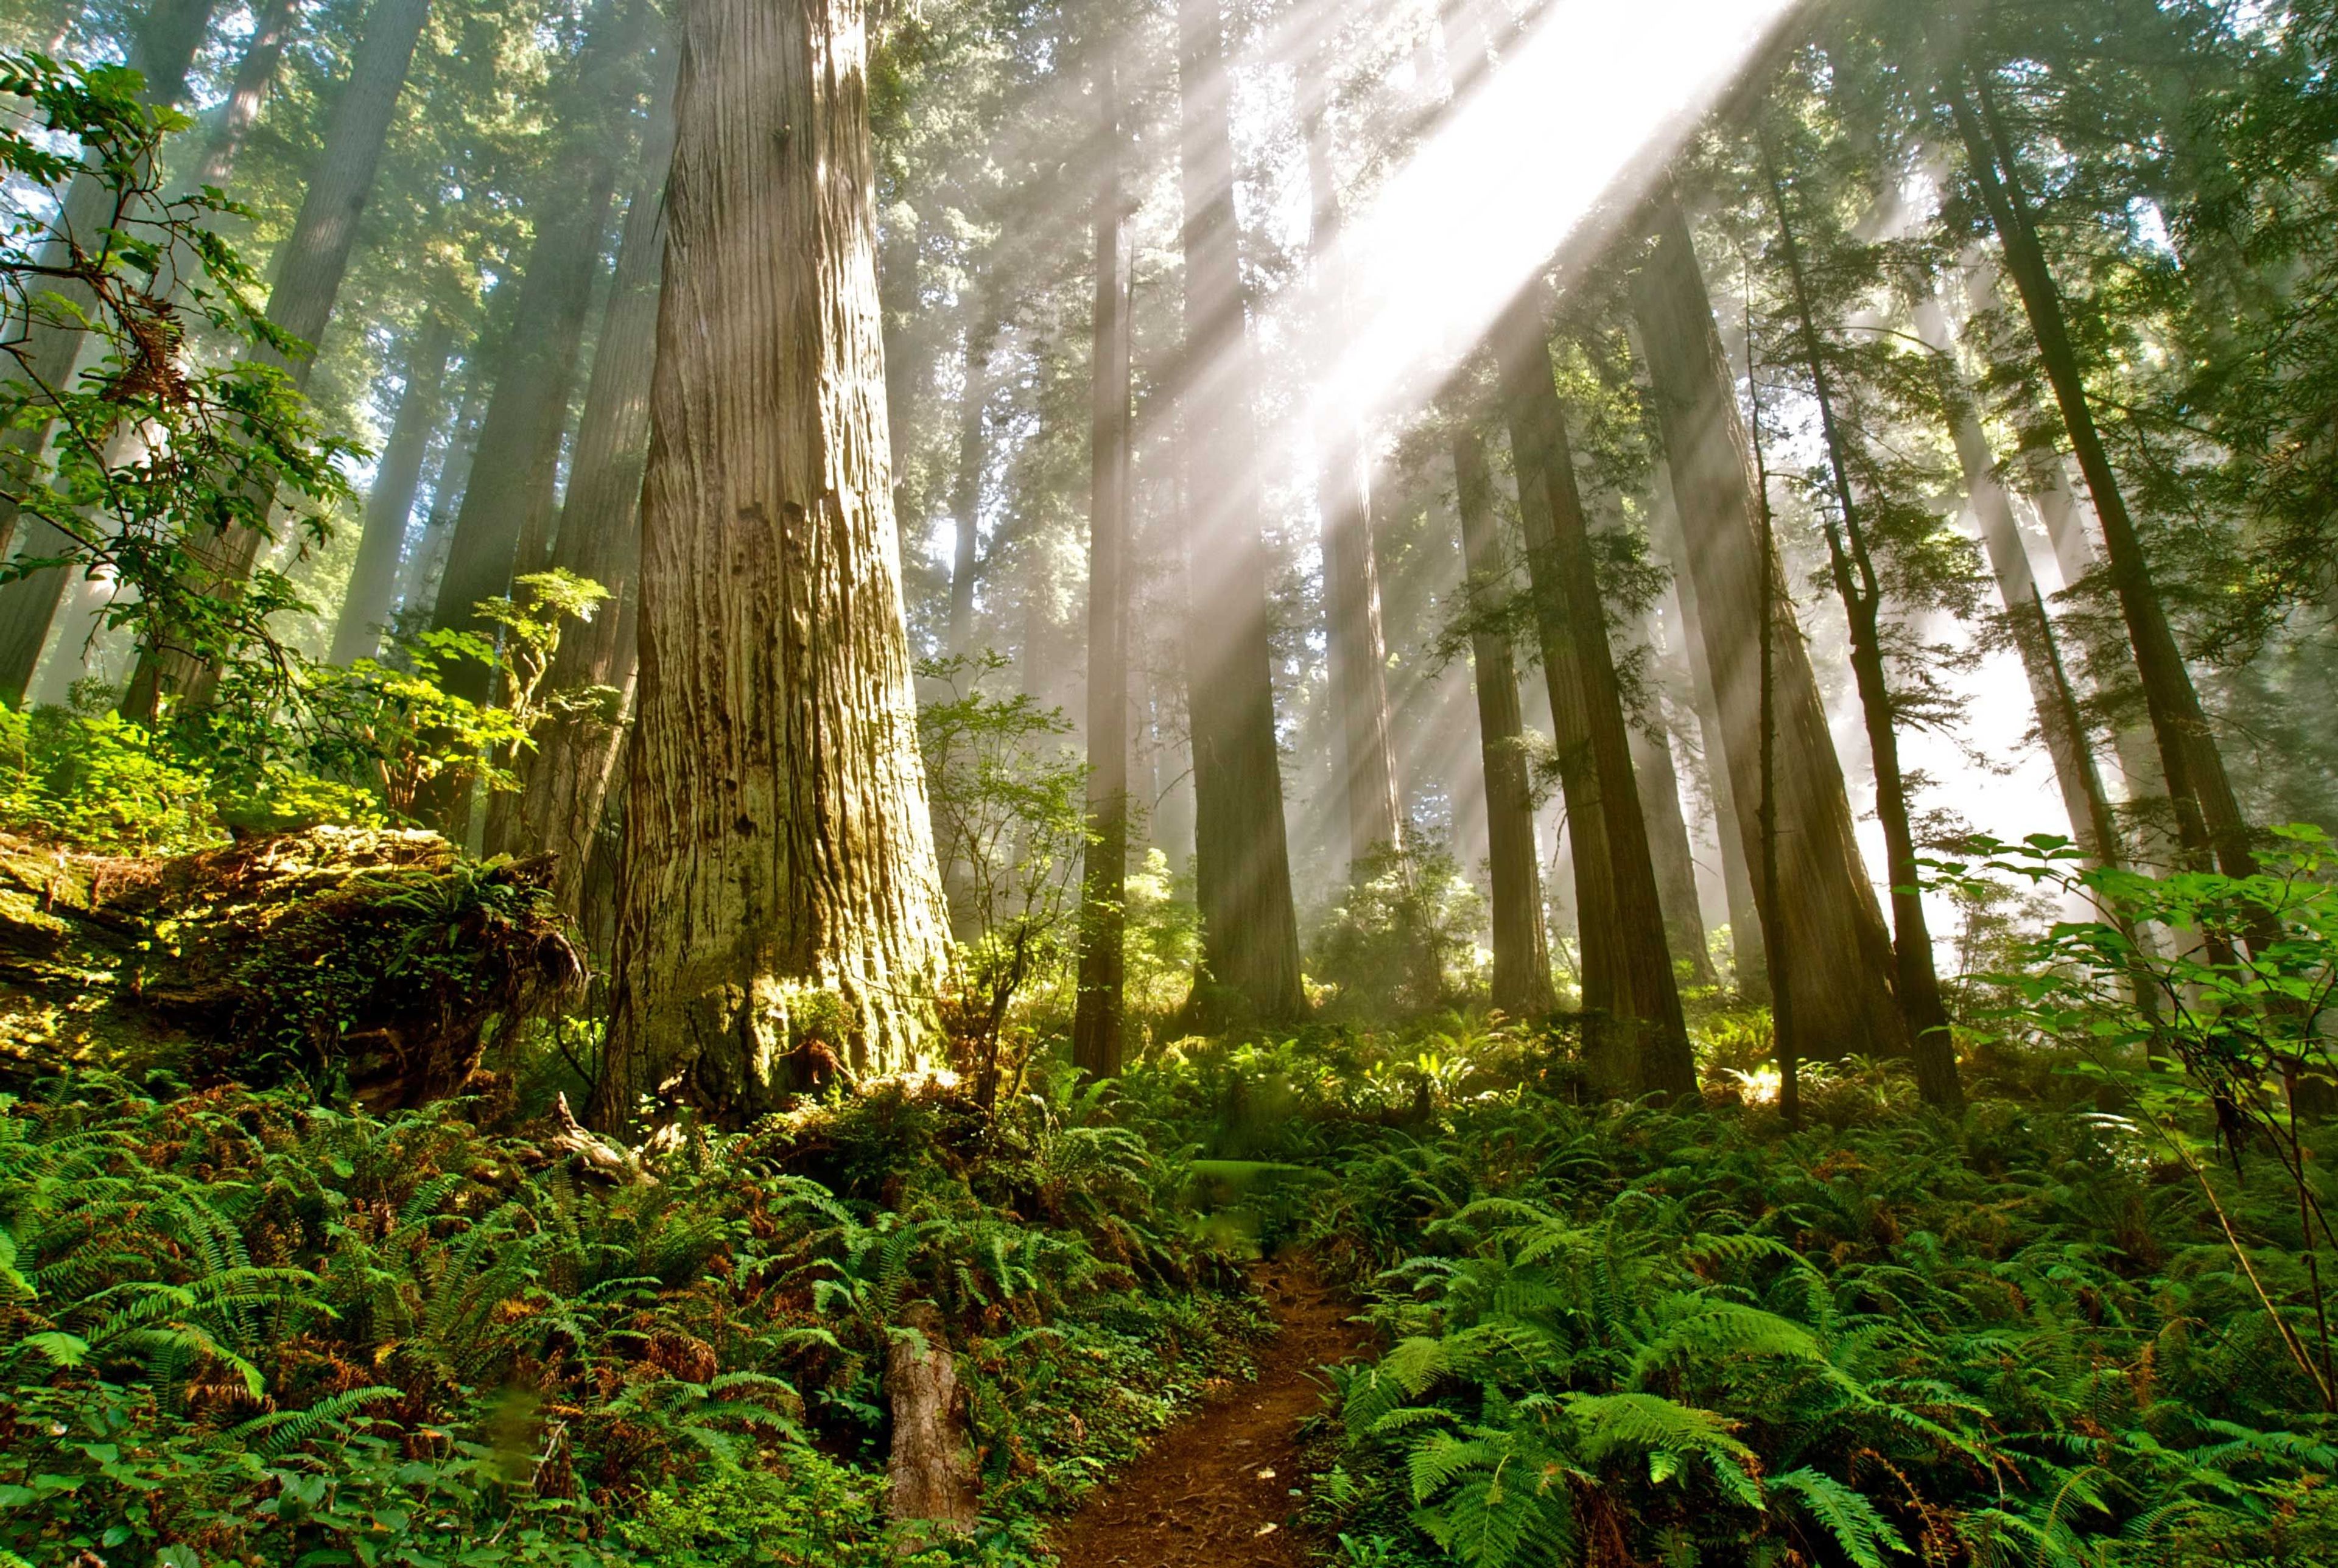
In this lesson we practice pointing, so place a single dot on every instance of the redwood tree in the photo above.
(779, 899)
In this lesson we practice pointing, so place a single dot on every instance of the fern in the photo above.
(1849, 1517)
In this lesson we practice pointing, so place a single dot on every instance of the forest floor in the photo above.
(1218, 1489)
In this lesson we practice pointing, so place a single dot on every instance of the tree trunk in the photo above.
(1842, 1001)
(1522, 985)
(1243, 869)
(966, 483)
(778, 890)
(418, 575)
(567, 780)
(2207, 814)
(1636, 1039)
(373, 578)
(274, 24)
(1668, 847)
(308, 273)
(1351, 587)
(1916, 982)
(1729, 832)
(1096, 1047)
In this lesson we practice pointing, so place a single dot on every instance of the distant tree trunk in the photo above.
(2208, 813)
(1522, 985)
(908, 346)
(1351, 587)
(567, 780)
(1843, 960)
(162, 51)
(966, 483)
(1733, 836)
(778, 845)
(1916, 983)
(309, 272)
(1250, 924)
(418, 575)
(373, 578)
(274, 24)
(1096, 1047)
(1668, 847)
(1635, 1035)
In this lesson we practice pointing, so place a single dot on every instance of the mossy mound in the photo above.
(371, 962)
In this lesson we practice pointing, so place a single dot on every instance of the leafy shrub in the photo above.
(89, 777)
(1402, 940)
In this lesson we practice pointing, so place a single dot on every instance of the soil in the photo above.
(1215, 1490)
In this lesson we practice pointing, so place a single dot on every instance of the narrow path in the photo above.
(1215, 1490)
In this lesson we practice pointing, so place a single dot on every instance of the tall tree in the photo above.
(309, 272)
(567, 780)
(966, 485)
(2208, 817)
(274, 23)
(778, 865)
(502, 529)
(1250, 924)
(373, 576)
(1636, 1036)
(1097, 1017)
(1521, 980)
(1842, 1001)
(1352, 586)
(1916, 983)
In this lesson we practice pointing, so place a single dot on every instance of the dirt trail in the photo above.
(1215, 1490)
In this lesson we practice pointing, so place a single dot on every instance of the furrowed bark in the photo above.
(1243, 870)
(779, 885)
(1842, 1001)
(1522, 984)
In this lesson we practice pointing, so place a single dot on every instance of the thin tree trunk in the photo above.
(2208, 817)
(309, 269)
(779, 885)
(966, 483)
(1842, 1001)
(1916, 982)
(1351, 588)
(1785, 1035)
(1250, 924)
(1668, 847)
(418, 576)
(373, 578)
(567, 782)
(1635, 1035)
(1522, 984)
(274, 24)
(1096, 1043)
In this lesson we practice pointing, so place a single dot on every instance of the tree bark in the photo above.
(1096, 1043)
(1668, 847)
(1916, 982)
(2208, 817)
(274, 24)
(308, 273)
(1522, 984)
(1842, 1001)
(373, 577)
(1250, 924)
(1636, 1039)
(1351, 587)
(778, 886)
(559, 810)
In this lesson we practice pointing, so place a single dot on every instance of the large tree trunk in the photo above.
(779, 887)
(2208, 813)
(1097, 1020)
(308, 273)
(1842, 1001)
(1522, 985)
(1249, 925)
(966, 483)
(1351, 587)
(1916, 983)
(567, 780)
(1635, 1037)
(373, 577)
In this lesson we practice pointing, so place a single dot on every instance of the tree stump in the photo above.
(931, 1469)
